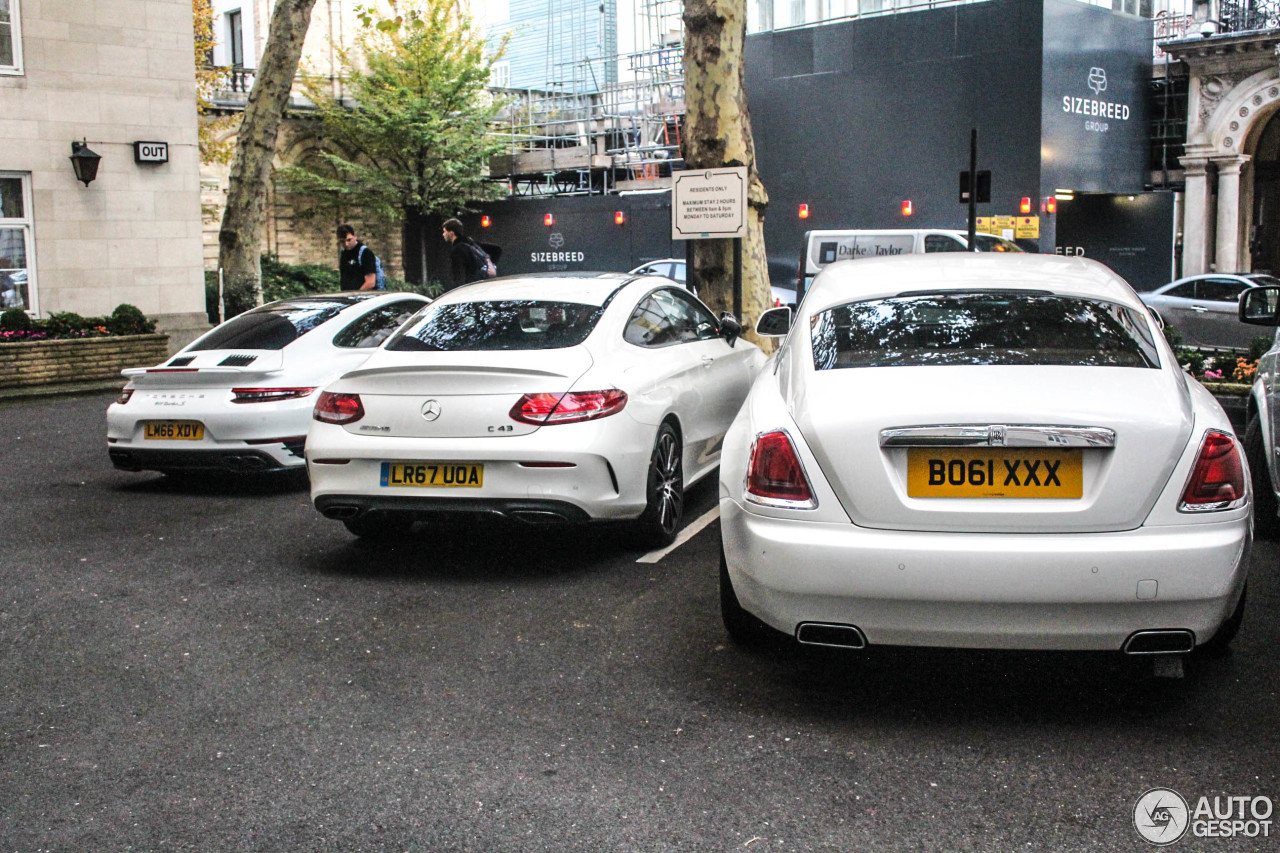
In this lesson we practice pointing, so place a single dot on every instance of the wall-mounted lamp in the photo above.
(1024, 206)
(549, 219)
(619, 217)
(485, 221)
(84, 162)
(1051, 204)
(907, 208)
(804, 211)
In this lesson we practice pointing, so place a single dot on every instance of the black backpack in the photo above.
(482, 263)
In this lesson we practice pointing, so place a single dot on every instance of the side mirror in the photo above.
(774, 323)
(1159, 318)
(1260, 306)
(730, 328)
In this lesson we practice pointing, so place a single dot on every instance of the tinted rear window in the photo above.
(272, 326)
(509, 324)
(992, 327)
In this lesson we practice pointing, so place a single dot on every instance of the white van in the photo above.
(827, 247)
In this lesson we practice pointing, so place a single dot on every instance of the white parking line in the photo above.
(685, 535)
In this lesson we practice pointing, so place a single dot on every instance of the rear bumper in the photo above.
(530, 511)
(1012, 591)
(247, 459)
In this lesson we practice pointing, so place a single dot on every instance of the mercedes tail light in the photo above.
(267, 395)
(570, 407)
(775, 476)
(1217, 481)
(334, 408)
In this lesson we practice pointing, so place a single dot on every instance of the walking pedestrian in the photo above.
(357, 264)
(468, 261)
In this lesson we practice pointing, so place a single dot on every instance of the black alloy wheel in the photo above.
(1265, 521)
(660, 521)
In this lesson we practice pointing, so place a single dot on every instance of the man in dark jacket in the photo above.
(357, 268)
(464, 263)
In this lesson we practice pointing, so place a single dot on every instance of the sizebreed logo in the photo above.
(1094, 108)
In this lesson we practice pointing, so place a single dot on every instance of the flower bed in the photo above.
(49, 364)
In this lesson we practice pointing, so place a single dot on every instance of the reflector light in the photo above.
(619, 217)
(906, 208)
(549, 219)
(804, 211)
(1024, 206)
(485, 222)
(570, 407)
(124, 396)
(267, 395)
(334, 408)
(1217, 480)
(775, 476)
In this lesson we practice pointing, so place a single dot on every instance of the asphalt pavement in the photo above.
(216, 667)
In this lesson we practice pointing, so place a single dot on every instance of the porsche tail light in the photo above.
(124, 396)
(775, 476)
(334, 408)
(1217, 480)
(570, 407)
(267, 395)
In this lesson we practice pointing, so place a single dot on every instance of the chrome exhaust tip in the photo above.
(1168, 641)
(830, 635)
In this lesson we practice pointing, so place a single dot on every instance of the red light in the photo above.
(1024, 206)
(774, 476)
(568, 408)
(549, 219)
(485, 222)
(804, 211)
(619, 217)
(267, 395)
(1218, 477)
(334, 408)
(1051, 205)
(907, 210)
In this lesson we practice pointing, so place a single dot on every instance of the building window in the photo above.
(17, 275)
(235, 39)
(10, 38)
(500, 75)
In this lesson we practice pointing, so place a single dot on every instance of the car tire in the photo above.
(379, 525)
(1265, 521)
(664, 491)
(1221, 641)
(743, 628)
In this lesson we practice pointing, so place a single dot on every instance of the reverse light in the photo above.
(124, 396)
(1217, 479)
(334, 408)
(267, 395)
(775, 476)
(568, 408)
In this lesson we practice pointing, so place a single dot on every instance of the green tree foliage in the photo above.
(412, 134)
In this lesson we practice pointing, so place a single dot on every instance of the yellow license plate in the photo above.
(1009, 472)
(433, 475)
(174, 430)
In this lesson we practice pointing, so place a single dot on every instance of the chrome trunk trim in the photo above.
(998, 435)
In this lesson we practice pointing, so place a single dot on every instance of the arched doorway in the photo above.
(1264, 239)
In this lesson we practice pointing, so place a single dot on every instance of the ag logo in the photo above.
(1161, 816)
(557, 240)
(1098, 80)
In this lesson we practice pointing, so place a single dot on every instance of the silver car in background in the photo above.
(1204, 308)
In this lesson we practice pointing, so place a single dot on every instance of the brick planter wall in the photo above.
(32, 364)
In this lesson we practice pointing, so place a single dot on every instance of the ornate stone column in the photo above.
(1227, 256)
(1195, 218)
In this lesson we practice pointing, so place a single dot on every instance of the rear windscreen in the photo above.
(507, 324)
(271, 327)
(988, 327)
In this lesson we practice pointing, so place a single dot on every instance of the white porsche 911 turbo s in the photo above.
(540, 398)
(239, 397)
(983, 451)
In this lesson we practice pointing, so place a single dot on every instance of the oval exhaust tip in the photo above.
(831, 635)
(1168, 641)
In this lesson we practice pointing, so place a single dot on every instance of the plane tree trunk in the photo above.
(240, 237)
(718, 134)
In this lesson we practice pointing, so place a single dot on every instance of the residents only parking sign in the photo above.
(710, 203)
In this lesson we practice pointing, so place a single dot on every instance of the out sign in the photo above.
(151, 152)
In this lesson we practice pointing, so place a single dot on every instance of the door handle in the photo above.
(1199, 309)
(707, 361)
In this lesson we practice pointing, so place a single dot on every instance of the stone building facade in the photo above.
(108, 74)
